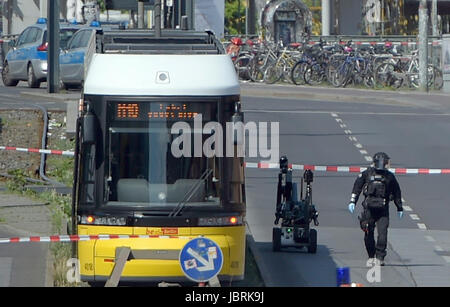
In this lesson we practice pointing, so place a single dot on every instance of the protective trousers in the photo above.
(380, 219)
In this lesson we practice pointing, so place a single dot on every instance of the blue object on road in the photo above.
(201, 259)
(343, 276)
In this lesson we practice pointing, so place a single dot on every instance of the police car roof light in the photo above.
(42, 20)
(95, 23)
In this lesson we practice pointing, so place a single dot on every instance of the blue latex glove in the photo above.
(351, 207)
(400, 214)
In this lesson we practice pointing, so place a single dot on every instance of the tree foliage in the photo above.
(235, 16)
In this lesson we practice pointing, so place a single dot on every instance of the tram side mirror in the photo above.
(89, 129)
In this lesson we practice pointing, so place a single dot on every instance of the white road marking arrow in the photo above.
(208, 265)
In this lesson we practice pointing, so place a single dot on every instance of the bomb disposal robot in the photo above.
(295, 215)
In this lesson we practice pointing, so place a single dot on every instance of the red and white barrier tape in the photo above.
(265, 165)
(373, 43)
(76, 238)
(346, 169)
(37, 150)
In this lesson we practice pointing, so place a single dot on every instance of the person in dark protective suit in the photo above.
(379, 186)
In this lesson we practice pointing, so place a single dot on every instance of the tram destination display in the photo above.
(145, 111)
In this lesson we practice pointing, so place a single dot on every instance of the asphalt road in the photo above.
(22, 265)
(348, 133)
(15, 97)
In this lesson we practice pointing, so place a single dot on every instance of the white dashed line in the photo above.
(368, 158)
(422, 226)
(407, 208)
(430, 239)
(338, 120)
(358, 145)
(348, 132)
(414, 217)
(363, 152)
(438, 248)
(343, 125)
(334, 115)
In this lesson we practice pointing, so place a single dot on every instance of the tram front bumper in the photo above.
(154, 259)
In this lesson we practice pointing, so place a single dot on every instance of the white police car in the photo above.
(27, 58)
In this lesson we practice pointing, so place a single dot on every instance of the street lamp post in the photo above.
(423, 45)
(53, 46)
(157, 18)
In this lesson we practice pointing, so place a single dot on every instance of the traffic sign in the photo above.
(201, 259)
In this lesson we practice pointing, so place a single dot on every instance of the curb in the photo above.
(54, 97)
(264, 93)
(288, 91)
(263, 271)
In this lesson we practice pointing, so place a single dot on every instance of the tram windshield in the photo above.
(152, 164)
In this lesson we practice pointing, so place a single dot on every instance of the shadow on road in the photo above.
(293, 267)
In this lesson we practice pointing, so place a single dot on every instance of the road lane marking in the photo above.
(430, 239)
(422, 226)
(348, 132)
(368, 158)
(438, 248)
(358, 145)
(334, 115)
(406, 208)
(363, 152)
(414, 217)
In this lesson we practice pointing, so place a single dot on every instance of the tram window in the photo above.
(143, 169)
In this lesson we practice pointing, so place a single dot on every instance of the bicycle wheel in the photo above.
(331, 73)
(414, 76)
(343, 74)
(313, 75)
(438, 80)
(368, 76)
(273, 73)
(385, 76)
(257, 69)
(242, 66)
(298, 72)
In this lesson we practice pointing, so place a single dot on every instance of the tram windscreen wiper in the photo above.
(190, 193)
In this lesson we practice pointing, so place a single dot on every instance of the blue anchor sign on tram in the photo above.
(201, 259)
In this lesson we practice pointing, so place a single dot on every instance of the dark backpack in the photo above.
(375, 191)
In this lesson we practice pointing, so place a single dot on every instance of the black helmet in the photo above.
(284, 163)
(380, 160)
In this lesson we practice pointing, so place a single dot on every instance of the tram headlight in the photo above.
(221, 221)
